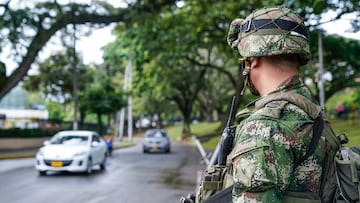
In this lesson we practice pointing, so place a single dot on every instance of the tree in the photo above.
(163, 38)
(102, 98)
(55, 78)
(28, 29)
(340, 61)
(170, 44)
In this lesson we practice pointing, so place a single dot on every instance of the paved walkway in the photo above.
(17, 153)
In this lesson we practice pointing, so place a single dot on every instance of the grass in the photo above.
(199, 129)
(351, 128)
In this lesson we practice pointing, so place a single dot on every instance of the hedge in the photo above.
(26, 133)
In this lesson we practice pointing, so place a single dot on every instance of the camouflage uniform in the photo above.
(266, 149)
(263, 165)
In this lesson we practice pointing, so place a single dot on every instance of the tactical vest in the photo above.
(272, 106)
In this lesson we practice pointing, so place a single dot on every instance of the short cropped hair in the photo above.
(284, 60)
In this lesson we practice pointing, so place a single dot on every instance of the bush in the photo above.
(26, 133)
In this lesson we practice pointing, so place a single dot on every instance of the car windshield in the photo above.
(155, 134)
(70, 140)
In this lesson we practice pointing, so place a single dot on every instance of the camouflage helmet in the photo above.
(270, 31)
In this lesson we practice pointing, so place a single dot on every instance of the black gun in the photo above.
(222, 150)
(225, 143)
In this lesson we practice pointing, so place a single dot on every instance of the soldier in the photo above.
(267, 163)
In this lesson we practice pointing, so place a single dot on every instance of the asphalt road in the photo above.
(130, 176)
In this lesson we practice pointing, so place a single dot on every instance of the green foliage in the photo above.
(102, 98)
(34, 98)
(348, 97)
(181, 54)
(56, 76)
(56, 111)
(350, 127)
(339, 60)
(27, 29)
(199, 129)
(205, 128)
(25, 133)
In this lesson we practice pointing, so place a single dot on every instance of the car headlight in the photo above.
(81, 153)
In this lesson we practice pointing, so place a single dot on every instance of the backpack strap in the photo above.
(297, 99)
(313, 110)
(317, 132)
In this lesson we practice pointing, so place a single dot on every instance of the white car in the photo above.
(72, 151)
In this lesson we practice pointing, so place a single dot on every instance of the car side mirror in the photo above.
(95, 144)
(46, 142)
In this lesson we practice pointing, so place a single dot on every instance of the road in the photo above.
(130, 176)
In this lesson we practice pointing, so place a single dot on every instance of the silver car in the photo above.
(72, 151)
(156, 140)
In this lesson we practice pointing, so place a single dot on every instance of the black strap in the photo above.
(225, 196)
(273, 24)
(317, 131)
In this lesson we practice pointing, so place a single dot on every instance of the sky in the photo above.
(90, 47)
(341, 26)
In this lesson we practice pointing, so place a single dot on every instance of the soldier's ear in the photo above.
(255, 62)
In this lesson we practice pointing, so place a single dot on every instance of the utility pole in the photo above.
(320, 73)
(75, 123)
(122, 111)
(130, 120)
(121, 116)
(126, 87)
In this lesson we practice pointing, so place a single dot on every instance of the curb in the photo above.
(16, 156)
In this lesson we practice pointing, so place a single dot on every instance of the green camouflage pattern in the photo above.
(266, 146)
(267, 42)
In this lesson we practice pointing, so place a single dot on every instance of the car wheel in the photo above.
(42, 173)
(89, 167)
(144, 151)
(103, 163)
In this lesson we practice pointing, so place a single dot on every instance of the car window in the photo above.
(95, 138)
(159, 134)
(155, 134)
(70, 140)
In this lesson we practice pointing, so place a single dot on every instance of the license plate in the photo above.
(154, 148)
(56, 163)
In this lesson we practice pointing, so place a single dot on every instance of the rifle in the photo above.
(227, 138)
(222, 150)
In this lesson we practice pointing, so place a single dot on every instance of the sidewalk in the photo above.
(30, 152)
(17, 153)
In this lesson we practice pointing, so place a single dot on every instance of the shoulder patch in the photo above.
(273, 109)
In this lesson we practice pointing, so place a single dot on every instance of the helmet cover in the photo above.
(270, 31)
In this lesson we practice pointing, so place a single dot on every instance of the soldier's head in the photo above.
(275, 32)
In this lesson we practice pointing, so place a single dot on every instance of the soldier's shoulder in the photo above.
(272, 109)
(279, 110)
